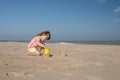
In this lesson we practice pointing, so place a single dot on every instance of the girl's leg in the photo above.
(39, 49)
(36, 53)
(32, 54)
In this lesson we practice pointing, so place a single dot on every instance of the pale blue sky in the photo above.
(66, 19)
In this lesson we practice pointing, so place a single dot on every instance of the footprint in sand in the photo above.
(5, 63)
(16, 49)
(19, 74)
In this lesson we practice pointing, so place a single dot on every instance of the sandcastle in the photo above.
(61, 53)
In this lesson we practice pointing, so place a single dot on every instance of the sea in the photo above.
(96, 42)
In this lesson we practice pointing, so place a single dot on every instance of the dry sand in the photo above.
(83, 62)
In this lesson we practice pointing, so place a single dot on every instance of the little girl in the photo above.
(38, 43)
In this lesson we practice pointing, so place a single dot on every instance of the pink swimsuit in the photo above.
(32, 43)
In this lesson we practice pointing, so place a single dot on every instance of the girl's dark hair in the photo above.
(45, 33)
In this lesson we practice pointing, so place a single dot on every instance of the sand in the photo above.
(69, 62)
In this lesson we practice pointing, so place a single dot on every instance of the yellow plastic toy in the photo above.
(46, 51)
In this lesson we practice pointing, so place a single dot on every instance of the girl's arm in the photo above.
(40, 44)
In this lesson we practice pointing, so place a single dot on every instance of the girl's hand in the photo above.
(45, 47)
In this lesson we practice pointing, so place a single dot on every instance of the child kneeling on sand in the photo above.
(38, 43)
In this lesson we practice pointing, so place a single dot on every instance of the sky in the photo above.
(65, 19)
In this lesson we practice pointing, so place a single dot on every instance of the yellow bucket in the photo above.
(47, 51)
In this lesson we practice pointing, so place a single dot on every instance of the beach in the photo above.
(68, 62)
